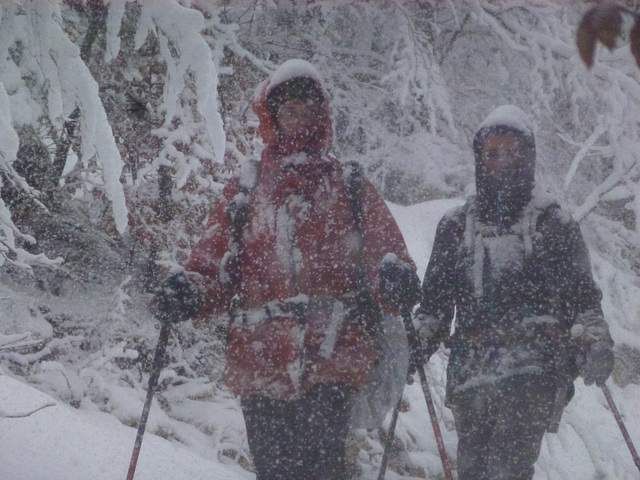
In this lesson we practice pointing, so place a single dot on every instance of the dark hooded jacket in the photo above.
(298, 262)
(514, 269)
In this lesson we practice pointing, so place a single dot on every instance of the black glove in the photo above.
(423, 341)
(429, 333)
(597, 364)
(177, 299)
(399, 284)
(595, 347)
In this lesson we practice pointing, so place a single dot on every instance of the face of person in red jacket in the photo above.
(297, 123)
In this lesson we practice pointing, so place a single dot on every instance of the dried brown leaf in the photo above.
(586, 38)
(603, 23)
(634, 37)
(607, 22)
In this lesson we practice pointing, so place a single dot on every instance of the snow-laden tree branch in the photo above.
(28, 413)
(592, 200)
(69, 85)
(9, 233)
(416, 73)
(584, 150)
(192, 128)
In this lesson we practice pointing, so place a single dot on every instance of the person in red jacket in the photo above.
(305, 256)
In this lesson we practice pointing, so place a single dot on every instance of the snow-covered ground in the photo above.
(44, 438)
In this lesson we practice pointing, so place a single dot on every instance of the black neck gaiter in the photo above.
(502, 198)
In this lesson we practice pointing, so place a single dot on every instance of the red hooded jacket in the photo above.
(295, 270)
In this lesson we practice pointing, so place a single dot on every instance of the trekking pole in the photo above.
(153, 383)
(416, 346)
(623, 428)
(389, 440)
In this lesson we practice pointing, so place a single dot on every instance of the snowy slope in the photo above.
(42, 438)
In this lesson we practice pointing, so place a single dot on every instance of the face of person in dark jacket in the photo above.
(504, 149)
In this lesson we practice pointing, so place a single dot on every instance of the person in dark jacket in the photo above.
(513, 269)
(305, 255)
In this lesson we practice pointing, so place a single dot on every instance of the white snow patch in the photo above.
(52, 441)
(509, 116)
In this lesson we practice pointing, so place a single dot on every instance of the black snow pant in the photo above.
(500, 427)
(302, 439)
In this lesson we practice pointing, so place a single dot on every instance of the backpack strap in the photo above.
(371, 314)
(238, 214)
(354, 180)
